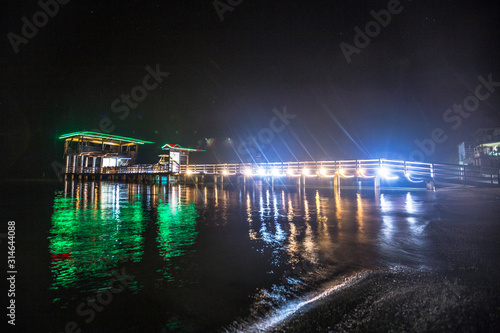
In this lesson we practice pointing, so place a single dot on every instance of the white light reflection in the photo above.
(360, 216)
(307, 217)
(267, 211)
(283, 201)
(309, 243)
(252, 234)
(318, 205)
(387, 220)
(338, 205)
(290, 214)
(284, 312)
(410, 208)
(249, 209)
(385, 205)
(323, 232)
(275, 208)
(216, 196)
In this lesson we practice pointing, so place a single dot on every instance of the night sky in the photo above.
(271, 70)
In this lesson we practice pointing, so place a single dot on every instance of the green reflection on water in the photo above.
(90, 237)
(176, 229)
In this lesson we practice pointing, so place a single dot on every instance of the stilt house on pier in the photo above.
(107, 154)
(175, 156)
(90, 152)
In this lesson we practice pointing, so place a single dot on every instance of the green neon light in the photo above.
(168, 146)
(103, 136)
(176, 231)
(91, 237)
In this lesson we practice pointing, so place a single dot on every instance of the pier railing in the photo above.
(320, 168)
(413, 171)
(416, 171)
(138, 168)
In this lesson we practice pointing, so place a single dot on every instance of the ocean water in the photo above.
(123, 257)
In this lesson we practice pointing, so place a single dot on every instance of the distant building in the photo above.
(100, 153)
(88, 152)
(175, 156)
(483, 150)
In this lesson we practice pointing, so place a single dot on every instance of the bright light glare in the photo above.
(261, 172)
(189, 172)
(305, 171)
(383, 172)
(225, 172)
(248, 172)
(276, 172)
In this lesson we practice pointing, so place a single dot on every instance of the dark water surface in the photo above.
(118, 257)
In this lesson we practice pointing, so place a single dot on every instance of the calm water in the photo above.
(199, 258)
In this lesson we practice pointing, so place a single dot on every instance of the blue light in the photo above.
(383, 172)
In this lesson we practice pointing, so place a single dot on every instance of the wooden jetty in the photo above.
(91, 155)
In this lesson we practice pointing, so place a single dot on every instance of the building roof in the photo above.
(490, 144)
(108, 137)
(175, 146)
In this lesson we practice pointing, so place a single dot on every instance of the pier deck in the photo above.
(376, 169)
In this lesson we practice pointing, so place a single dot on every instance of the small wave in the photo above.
(281, 314)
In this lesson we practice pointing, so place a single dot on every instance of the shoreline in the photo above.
(463, 295)
(405, 300)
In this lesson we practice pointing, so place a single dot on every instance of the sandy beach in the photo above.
(462, 296)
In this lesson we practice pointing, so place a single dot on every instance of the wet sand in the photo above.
(462, 296)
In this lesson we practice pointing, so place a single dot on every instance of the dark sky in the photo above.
(226, 77)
